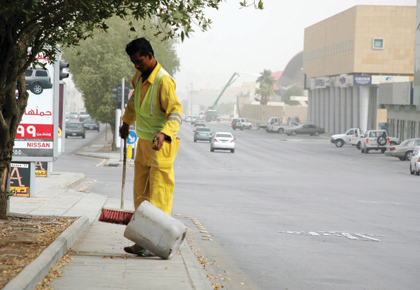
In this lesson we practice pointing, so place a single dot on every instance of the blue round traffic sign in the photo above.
(132, 137)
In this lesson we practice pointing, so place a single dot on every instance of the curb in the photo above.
(35, 272)
(193, 267)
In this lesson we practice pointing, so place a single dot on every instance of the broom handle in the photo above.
(123, 176)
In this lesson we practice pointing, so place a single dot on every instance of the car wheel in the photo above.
(37, 89)
(408, 155)
(383, 151)
(294, 133)
(381, 140)
(366, 151)
(316, 134)
(195, 140)
(84, 136)
(411, 170)
(359, 145)
(362, 150)
(402, 158)
(66, 136)
(232, 150)
(417, 172)
(339, 143)
(280, 131)
(211, 149)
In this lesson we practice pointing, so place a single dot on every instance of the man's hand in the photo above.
(124, 130)
(158, 141)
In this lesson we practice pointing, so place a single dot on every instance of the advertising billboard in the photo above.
(35, 134)
(20, 179)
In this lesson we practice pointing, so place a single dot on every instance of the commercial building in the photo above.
(348, 55)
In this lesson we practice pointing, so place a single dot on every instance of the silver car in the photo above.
(222, 141)
(404, 151)
(415, 162)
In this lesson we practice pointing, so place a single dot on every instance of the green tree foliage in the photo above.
(265, 89)
(98, 64)
(292, 91)
(31, 27)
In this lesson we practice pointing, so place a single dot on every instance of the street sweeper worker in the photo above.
(155, 109)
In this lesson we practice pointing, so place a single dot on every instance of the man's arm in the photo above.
(170, 104)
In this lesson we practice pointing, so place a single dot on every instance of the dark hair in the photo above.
(139, 44)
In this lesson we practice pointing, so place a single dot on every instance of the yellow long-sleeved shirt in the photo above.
(167, 102)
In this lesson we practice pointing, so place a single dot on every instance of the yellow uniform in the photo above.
(159, 190)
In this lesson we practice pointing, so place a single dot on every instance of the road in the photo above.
(290, 212)
(300, 213)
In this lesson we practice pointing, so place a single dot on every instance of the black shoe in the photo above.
(134, 249)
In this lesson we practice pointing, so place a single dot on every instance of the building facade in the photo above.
(348, 55)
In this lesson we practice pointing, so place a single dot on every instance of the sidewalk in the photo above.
(99, 260)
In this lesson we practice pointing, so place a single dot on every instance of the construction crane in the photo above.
(211, 113)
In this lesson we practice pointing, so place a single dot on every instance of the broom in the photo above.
(118, 215)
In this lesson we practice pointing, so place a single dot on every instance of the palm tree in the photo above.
(265, 89)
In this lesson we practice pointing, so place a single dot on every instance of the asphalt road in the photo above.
(289, 212)
(300, 213)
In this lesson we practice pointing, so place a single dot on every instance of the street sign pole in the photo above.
(122, 113)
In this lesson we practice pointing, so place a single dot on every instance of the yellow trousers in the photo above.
(160, 187)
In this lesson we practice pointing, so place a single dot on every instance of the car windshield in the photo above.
(224, 135)
(204, 129)
(74, 125)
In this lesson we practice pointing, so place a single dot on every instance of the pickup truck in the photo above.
(280, 128)
(271, 121)
(352, 137)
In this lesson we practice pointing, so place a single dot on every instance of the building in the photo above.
(348, 55)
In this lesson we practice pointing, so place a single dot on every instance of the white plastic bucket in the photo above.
(155, 230)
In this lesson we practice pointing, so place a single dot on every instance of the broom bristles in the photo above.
(116, 216)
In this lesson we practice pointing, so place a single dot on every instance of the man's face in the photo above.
(143, 63)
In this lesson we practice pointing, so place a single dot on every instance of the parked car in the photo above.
(375, 140)
(91, 124)
(404, 151)
(75, 129)
(415, 161)
(203, 133)
(305, 129)
(36, 80)
(241, 123)
(222, 141)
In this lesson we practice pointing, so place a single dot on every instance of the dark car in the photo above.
(91, 124)
(75, 129)
(305, 129)
(37, 80)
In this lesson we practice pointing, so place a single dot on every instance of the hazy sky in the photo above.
(249, 40)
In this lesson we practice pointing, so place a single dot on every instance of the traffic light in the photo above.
(63, 75)
(118, 95)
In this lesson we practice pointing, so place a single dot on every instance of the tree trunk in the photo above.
(11, 112)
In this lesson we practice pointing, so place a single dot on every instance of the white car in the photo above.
(415, 161)
(222, 141)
